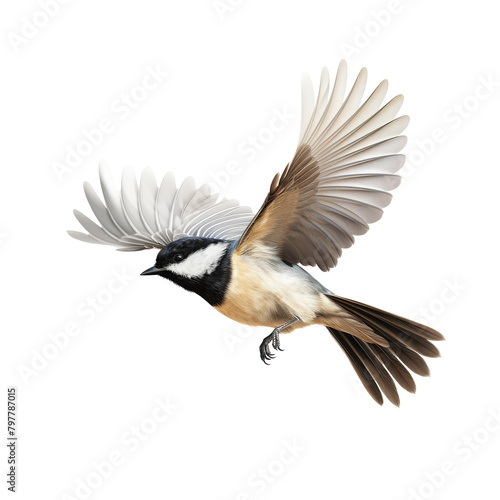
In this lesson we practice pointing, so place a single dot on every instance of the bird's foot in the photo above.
(265, 352)
(274, 339)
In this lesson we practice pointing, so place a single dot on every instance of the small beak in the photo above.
(151, 271)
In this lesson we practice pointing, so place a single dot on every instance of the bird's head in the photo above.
(197, 264)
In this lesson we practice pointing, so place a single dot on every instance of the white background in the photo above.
(434, 254)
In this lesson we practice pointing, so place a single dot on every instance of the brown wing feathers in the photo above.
(337, 182)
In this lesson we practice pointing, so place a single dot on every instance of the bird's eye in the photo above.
(178, 257)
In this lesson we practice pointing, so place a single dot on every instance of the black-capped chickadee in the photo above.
(246, 266)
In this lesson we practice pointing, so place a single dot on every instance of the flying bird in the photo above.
(248, 266)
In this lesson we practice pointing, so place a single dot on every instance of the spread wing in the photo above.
(147, 216)
(338, 181)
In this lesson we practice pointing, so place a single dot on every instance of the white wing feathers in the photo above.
(355, 145)
(147, 216)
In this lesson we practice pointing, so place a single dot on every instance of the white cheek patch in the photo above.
(201, 262)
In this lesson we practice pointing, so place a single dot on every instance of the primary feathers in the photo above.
(246, 265)
(147, 216)
(337, 182)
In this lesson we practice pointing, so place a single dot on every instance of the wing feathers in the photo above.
(336, 185)
(130, 201)
(113, 200)
(148, 216)
(101, 212)
(340, 177)
(97, 232)
(147, 200)
(164, 199)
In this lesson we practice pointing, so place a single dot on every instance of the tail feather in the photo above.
(359, 367)
(378, 371)
(397, 334)
(396, 368)
(374, 362)
(398, 321)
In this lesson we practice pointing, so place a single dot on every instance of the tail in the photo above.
(378, 364)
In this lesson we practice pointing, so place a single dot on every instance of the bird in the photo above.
(251, 267)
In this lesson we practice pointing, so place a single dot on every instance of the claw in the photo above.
(269, 354)
(274, 340)
(265, 353)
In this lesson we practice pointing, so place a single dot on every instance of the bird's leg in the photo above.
(273, 338)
